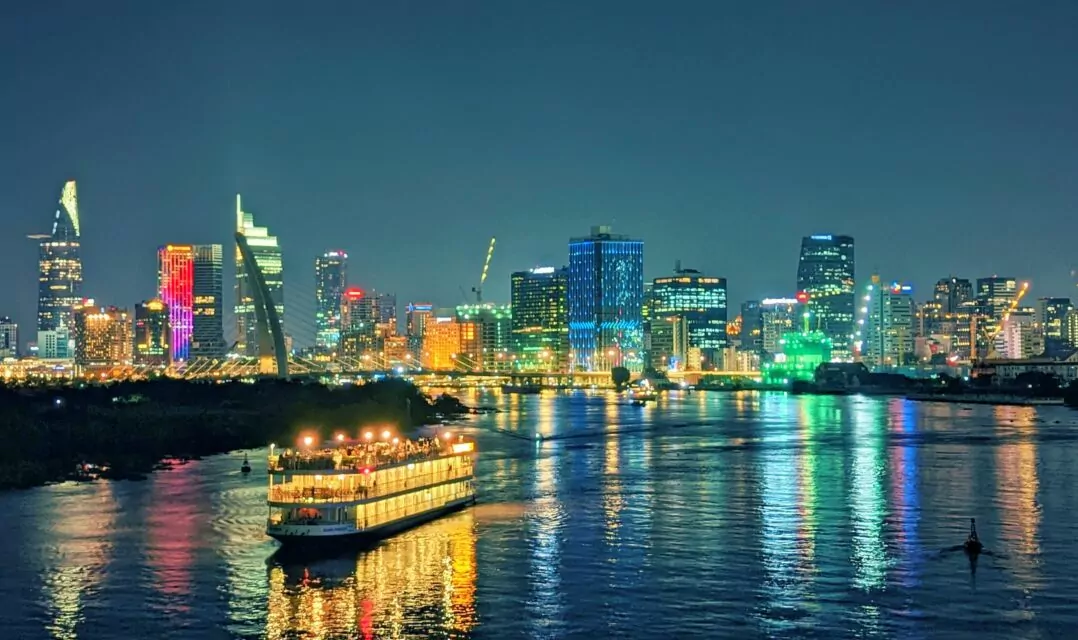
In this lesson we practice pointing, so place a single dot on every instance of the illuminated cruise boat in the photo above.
(367, 489)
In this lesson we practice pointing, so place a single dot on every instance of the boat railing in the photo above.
(321, 495)
(362, 458)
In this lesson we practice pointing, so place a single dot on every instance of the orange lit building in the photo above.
(441, 343)
(102, 337)
(395, 350)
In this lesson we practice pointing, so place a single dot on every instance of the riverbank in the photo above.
(130, 427)
(986, 398)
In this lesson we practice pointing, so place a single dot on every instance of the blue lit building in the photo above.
(606, 300)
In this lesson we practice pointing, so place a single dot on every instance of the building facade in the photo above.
(330, 281)
(359, 320)
(751, 334)
(605, 301)
(488, 349)
(441, 343)
(9, 338)
(540, 327)
(102, 337)
(267, 255)
(778, 316)
(152, 334)
(416, 317)
(176, 288)
(59, 277)
(207, 328)
(701, 301)
(889, 329)
(826, 273)
(1052, 317)
(951, 292)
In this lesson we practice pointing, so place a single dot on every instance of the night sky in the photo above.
(942, 135)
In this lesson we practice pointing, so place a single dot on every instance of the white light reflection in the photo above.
(868, 504)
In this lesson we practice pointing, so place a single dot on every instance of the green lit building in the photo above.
(540, 328)
(800, 354)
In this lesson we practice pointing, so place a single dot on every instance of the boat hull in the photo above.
(326, 539)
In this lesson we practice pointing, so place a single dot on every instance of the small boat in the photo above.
(972, 545)
(246, 468)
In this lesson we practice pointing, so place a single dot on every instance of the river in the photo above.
(711, 515)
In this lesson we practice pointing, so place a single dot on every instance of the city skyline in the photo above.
(691, 145)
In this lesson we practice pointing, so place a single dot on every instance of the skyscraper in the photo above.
(606, 297)
(778, 317)
(152, 334)
(951, 292)
(416, 317)
(752, 326)
(358, 320)
(889, 325)
(176, 288)
(208, 330)
(540, 329)
(701, 301)
(267, 254)
(826, 273)
(60, 276)
(330, 280)
(9, 338)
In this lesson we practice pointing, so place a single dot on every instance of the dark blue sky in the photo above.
(942, 136)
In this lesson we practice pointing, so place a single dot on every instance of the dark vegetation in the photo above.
(130, 426)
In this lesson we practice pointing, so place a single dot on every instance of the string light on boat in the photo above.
(368, 436)
(308, 441)
(448, 435)
(340, 437)
(386, 434)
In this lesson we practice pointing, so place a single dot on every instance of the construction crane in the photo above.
(478, 291)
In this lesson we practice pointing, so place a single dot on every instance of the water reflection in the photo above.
(419, 584)
(545, 604)
(83, 516)
(1017, 485)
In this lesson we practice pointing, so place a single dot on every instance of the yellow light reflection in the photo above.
(1016, 474)
(84, 516)
(417, 584)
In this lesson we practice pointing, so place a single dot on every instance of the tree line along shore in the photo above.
(126, 428)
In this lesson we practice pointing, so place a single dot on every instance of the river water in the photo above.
(707, 515)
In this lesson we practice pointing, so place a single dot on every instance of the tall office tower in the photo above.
(208, 329)
(267, 255)
(152, 334)
(540, 329)
(330, 280)
(416, 317)
(701, 300)
(826, 273)
(387, 309)
(359, 319)
(1052, 317)
(994, 297)
(778, 316)
(752, 326)
(102, 337)
(176, 288)
(606, 297)
(492, 325)
(59, 277)
(888, 336)
(951, 292)
(9, 338)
